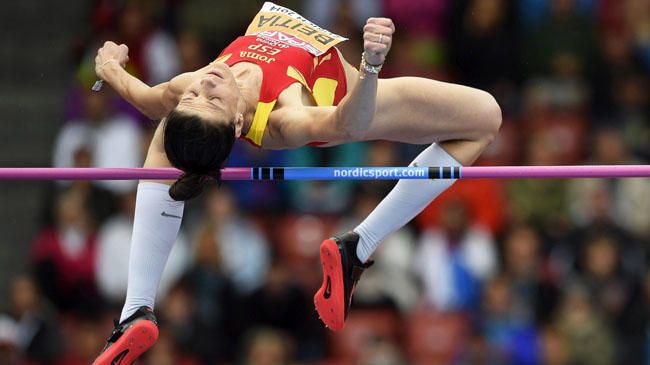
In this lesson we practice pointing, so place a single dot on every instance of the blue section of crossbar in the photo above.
(361, 173)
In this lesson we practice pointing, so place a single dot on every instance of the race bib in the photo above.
(279, 24)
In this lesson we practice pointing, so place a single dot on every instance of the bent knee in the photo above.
(490, 116)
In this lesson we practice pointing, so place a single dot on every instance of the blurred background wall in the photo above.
(36, 71)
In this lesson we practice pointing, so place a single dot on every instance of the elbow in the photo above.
(352, 129)
(354, 134)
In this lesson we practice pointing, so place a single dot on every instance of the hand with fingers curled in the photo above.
(110, 52)
(377, 39)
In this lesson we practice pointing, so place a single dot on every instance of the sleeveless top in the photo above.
(288, 49)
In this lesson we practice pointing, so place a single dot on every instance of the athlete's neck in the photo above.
(249, 81)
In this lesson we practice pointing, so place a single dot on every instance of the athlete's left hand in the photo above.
(377, 39)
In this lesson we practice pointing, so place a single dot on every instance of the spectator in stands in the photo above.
(325, 12)
(589, 339)
(282, 304)
(421, 48)
(637, 17)
(64, 256)
(453, 260)
(382, 352)
(646, 316)
(218, 25)
(563, 44)
(83, 335)
(8, 333)
(510, 339)
(214, 300)
(153, 51)
(595, 215)
(614, 294)
(484, 47)
(31, 326)
(185, 331)
(630, 112)
(553, 347)
(265, 346)
(243, 249)
(624, 201)
(534, 294)
(542, 203)
(119, 145)
(100, 201)
(191, 51)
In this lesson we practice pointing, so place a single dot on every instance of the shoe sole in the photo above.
(331, 310)
(133, 343)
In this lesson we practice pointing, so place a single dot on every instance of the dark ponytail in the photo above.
(199, 148)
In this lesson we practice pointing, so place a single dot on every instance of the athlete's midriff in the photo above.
(283, 65)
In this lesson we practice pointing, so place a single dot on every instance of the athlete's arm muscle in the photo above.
(299, 125)
(154, 102)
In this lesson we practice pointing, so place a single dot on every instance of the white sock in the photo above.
(407, 199)
(155, 227)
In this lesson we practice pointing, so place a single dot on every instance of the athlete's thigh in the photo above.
(419, 110)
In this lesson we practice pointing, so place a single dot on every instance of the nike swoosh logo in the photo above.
(119, 358)
(165, 214)
(328, 288)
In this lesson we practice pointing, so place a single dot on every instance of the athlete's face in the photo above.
(214, 96)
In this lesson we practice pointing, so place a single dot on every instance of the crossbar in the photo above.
(335, 173)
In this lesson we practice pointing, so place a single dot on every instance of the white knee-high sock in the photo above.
(155, 227)
(407, 199)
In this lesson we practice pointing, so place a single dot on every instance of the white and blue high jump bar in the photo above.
(335, 173)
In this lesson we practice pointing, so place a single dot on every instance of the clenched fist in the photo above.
(377, 39)
(108, 53)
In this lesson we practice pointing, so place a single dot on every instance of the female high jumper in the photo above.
(285, 85)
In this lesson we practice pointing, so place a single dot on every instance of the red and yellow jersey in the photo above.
(289, 49)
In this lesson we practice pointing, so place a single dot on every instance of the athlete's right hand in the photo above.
(377, 39)
(110, 53)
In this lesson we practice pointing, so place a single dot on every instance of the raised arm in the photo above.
(154, 102)
(351, 118)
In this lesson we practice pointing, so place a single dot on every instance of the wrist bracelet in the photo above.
(368, 68)
(99, 83)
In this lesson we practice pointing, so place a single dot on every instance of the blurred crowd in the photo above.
(494, 272)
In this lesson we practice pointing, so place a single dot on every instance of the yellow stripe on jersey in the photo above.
(261, 118)
(324, 90)
(297, 75)
(223, 58)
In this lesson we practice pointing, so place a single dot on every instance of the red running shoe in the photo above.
(130, 339)
(342, 270)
